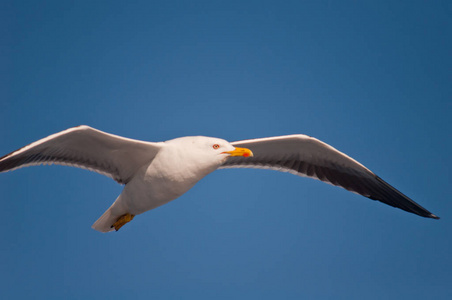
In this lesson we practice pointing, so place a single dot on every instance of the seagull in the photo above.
(155, 173)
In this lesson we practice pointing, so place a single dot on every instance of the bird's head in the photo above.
(209, 149)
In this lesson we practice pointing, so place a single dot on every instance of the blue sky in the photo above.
(371, 78)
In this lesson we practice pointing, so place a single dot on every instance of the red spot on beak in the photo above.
(246, 154)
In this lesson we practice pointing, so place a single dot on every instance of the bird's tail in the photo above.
(110, 216)
(105, 222)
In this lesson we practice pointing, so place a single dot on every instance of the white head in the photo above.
(207, 150)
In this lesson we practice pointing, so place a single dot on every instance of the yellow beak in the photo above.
(240, 152)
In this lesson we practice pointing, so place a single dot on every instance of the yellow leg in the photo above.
(124, 219)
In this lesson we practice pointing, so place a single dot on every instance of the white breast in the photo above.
(172, 173)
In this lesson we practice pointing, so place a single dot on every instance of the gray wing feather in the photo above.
(87, 148)
(306, 156)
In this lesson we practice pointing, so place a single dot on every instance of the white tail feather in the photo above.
(104, 223)
(110, 216)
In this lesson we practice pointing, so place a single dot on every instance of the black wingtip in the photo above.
(433, 216)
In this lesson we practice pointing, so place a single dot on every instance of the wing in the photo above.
(306, 156)
(87, 148)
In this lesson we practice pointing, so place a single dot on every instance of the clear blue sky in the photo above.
(371, 78)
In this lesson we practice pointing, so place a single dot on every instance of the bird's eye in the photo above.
(216, 146)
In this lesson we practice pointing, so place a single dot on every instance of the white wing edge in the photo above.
(55, 135)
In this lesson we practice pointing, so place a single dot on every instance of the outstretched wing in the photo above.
(306, 156)
(87, 148)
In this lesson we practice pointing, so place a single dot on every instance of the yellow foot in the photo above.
(124, 219)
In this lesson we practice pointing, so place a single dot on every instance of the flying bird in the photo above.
(155, 173)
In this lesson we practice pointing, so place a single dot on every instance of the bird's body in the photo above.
(168, 176)
(156, 173)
